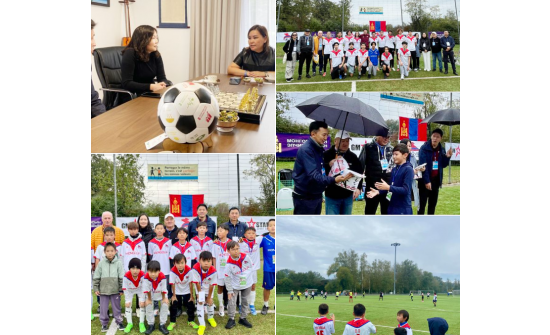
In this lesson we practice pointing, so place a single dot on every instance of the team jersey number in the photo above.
(320, 332)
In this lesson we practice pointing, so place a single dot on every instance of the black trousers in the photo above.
(446, 56)
(336, 72)
(307, 206)
(321, 59)
(182, 300)
(429, 197)
(372, 204)
(380, 52)
(392, 51)
(415, 60)
(385, 68)
(305, 56)
(326, 62)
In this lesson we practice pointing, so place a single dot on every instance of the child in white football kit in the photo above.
(220, 254)
(351, 54)
(183, 247)
(239, 278)
(363, 55)
(108, 237)
(251, 246)
(154, 289)
(404, 56)
(403, 319)
(204, 278)
(336, 59)
(387, 59)
(435, 299)
(359, 325)
(132, 284)
(324, 325)
(133, 247)
(159, 250)
(201, 242)
(180, 280)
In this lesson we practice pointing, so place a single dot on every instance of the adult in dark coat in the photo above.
(309, 176)
(337, 199)
(432, 153)
(438, 326)
(236, 227)
(305, 53)
(170, 228)
(97, 107)
(146, 231)
(202, 216)
(448, 44)
(290, 51)
(435, 45)
(378, 162)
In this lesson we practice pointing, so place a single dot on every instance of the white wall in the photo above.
(173, 42)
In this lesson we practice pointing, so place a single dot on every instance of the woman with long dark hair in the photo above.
(146, 231)
(142, 63)
(290, 51)
(425, 48)
(258, 59)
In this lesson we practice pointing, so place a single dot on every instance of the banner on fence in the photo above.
(456, 151)
(258, 222)
(96, 222)
(173, 172)
(357, 143)
(371, 10)
(287, 145)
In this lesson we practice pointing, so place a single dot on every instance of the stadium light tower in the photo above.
(395, 264)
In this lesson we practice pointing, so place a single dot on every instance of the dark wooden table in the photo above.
(126, 128)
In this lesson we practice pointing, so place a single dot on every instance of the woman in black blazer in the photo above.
(290, 50)
(425, 47)
(142, 63)
(258, 59)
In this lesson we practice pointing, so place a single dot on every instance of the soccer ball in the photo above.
(188, 113)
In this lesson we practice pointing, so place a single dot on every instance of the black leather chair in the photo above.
(108, 66)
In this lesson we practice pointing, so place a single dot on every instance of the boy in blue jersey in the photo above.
(373, 59)
(399, 191)
(268, 245)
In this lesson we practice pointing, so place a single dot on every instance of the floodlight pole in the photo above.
(457, 20)
(238, 185)
(451, 138)
(342, 16)
(279, 14)
(395, 264)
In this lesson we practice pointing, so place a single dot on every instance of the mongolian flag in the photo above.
(185, 205)
(412, 129)
(377, 25)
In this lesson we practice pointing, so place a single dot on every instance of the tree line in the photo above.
(351, 271)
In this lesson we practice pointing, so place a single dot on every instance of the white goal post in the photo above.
(456, 292)
(419, 292)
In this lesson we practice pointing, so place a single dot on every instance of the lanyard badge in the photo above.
(435, 165)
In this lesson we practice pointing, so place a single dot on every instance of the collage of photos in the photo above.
(363, 101)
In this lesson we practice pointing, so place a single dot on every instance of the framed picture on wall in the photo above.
(106, 3)
(173, 14)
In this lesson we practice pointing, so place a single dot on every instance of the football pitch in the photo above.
(420, 81)
(296, 317)
(261, 324)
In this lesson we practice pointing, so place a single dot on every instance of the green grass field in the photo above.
(448, 202)
(296, 317)
(447, 83)
(262, 324)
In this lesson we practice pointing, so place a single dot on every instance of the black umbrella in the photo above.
(447, 117)
(345, 113)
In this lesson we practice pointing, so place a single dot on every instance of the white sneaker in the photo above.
(402, 77)
(221, 311)
(393, 69)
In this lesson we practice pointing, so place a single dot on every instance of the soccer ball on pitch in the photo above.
(188, 113)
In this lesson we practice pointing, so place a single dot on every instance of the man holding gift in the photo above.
(310, 179)
(339, 200)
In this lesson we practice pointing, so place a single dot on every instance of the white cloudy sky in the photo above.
(392, 10)
(389, 109)
(217, 178)
(310, 243)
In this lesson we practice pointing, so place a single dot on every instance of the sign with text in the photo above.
(287, 145)
(282, 37)
(371, 10)
(173, 172)
(357, 143)
(456, 150)
(413, 98)
(258, 222)
(96, 222)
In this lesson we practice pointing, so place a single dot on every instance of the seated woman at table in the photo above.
(142, 63)
(258, 60)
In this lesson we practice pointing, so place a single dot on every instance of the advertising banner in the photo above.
(413, 98)
(173, 172)
(357, 143)
(122, 222)
(258, 222)
(456, 151)
(371, 10)
(288, 144)
(96, 222)
(285, 36)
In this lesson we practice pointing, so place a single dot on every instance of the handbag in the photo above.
(316, 58)
(284, 58)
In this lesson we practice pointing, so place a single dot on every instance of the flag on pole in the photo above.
(185, 205)
(412, 129)
(377, 25)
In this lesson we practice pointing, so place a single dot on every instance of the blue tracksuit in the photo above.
(402, 177)
(426, 156)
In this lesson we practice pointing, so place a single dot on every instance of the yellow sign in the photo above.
(172, 171)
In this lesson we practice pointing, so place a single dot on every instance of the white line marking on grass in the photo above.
(308, 317)
(363, 81)
(353, 86)
(112, 328)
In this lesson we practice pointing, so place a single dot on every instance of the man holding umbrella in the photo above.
(433, 154)
(337, 199)
(378, 155)
(309, 176)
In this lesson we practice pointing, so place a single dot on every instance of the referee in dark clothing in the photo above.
(305, 53)
(448, 43)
